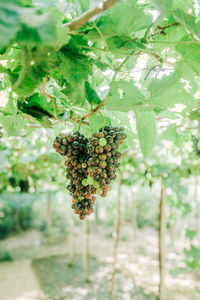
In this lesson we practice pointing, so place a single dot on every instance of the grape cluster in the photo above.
(91, 164)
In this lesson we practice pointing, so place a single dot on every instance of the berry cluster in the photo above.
(91, 164)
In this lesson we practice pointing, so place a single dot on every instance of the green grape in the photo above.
(85, 182)
(95, 184)
(99, 191)
(90, 180)
(102, 142)
(84, 165)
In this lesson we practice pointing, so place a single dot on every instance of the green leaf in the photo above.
(76, 95)
(10, 108)
(189, 22)
(124, 96)
(192, 257)
(12, 124)
(169, 91)
(47, 105)
(124, 18)
(96, 122)
(27, 25)
(190, 54)
(91, 94)
(145, 122)
(36, 29)
(190, 234)
(84, 4)
(9, 25)
(75, 68)
(171, 134)
(26, 86)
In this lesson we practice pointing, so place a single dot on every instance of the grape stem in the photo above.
(86, 16)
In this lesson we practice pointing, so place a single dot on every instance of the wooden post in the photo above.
(16, 218)
(86, 255)
(72, 258)
(161, 243)
(197, 208)
(49, 216)
(116, 239)
(133, 214)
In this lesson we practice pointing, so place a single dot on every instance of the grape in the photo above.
(96, 184)
(99, 149)
(107, 148)
(102, 141)
(109, 139)
(85, 182)
(90, 180)
(103, 164)
(103, 157)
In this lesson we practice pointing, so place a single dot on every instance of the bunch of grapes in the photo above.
(91, 164)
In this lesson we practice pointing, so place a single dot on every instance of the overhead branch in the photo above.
(85, 17)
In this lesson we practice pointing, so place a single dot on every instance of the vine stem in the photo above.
(95, 110)
(46, 80)
(86, 16)
(79, 126)
(105, 50)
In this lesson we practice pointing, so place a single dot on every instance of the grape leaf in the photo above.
(168, 91)
(145, 122)
(91, 94)
(9, 25)
(75, 68)
(45, 104)
(124, 18)
(189, 22)
(96, 122)
(124, 96)
(190, 54)
(171, 134)
(12, 124)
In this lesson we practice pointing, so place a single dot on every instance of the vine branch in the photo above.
(46, 80)
(86, 16)
(95, 110)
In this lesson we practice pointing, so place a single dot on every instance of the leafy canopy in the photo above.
(140, 57)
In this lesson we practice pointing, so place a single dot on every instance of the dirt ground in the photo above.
(41, 271)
